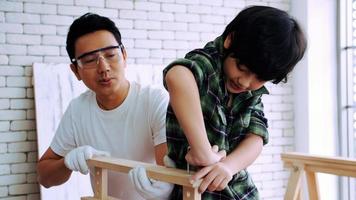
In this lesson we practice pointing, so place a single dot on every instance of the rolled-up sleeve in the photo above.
(258, 123)
(195, 63)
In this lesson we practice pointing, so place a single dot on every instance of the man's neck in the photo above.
(113, 101)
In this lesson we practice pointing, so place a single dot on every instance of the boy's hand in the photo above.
(215, 177)
(207, 159)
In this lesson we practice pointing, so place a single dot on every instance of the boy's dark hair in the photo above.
(89, 23)
(267, 40)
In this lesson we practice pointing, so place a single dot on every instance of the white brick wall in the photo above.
(154, 31)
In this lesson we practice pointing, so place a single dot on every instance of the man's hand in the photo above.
(210, 158)
(76, 159)
(148, 188)
(215, 177)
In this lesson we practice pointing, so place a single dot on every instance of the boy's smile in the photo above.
(234, 87)
(239, 78)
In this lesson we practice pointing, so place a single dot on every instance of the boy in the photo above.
(115, 116)
(215, 99)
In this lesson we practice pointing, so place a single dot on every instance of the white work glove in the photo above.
(151, 189)
(76, 159)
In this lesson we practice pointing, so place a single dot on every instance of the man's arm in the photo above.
(217, 176)
(185, 101)
(51, 169)
(160, 152)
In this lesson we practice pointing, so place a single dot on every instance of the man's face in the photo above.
(106, 74)
(239, 78)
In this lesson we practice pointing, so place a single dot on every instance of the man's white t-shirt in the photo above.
(129, 131)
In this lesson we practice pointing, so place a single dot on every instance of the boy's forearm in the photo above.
(185, 101)
(245, 154)
(52, 172)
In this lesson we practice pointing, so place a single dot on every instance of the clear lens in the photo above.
(111, 55)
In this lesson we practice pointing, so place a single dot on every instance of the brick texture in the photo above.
(153, 31)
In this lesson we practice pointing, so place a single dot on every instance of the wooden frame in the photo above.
(309, 165)
(160, 173)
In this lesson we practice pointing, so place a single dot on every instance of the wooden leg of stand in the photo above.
(300, 194)
(312, 185)
(101, 183)
(294, 184)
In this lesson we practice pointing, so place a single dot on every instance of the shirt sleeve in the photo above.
(258, 123)
(196, 63)
(158, 107)
(63, 140)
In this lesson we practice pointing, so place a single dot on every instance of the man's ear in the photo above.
(227, 41)
(74, 69)
(124, 53)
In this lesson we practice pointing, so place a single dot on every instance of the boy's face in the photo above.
(239, 78)
(102, 71)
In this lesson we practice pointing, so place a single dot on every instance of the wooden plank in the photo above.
(322, 160)
(300, 193)
(93, 198)
(294, 184)
(190, 193)
(313, 164)
(101, 183)
(329, 168)
(332, 170)
(313, 187)
(170, 175)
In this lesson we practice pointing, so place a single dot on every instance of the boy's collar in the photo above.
(259, 92)
(262, 90)
(219, 44)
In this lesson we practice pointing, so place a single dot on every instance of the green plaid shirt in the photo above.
(225, 126)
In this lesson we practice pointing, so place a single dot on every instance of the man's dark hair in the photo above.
(267, 40)
(89, 23)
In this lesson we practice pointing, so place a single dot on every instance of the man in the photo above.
(115, 116)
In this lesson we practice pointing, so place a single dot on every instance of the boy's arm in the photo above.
(217, 176)
(245, 154)
(51, 169)
(185, 101)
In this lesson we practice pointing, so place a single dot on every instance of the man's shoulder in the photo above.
(151, 95)
(83, 98)
(149, 90)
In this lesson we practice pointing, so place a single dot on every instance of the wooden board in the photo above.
(55, 86)
(159, 173)
(309, 165)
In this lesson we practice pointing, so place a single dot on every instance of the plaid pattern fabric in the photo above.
(225, 127)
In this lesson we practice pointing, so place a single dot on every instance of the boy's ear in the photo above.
(227, 41)
(75, 71)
